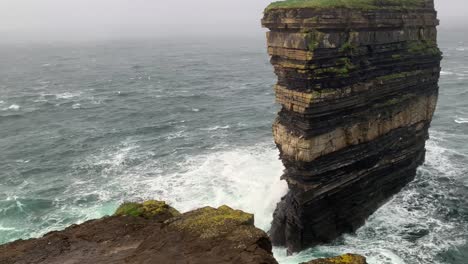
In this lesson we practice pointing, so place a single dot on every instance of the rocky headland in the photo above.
(358, 86)
(150, 232)
(153, 232)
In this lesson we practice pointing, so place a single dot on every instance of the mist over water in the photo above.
(86, 127)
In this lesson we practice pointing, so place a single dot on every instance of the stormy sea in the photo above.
(85, 127)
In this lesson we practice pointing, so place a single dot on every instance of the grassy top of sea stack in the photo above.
(349, 4)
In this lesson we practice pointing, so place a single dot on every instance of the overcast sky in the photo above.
(104, 19)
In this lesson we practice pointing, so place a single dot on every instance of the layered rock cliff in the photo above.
(152, 232)
(358, 86)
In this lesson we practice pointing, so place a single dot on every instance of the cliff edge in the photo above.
(151, 232)
(358, 86)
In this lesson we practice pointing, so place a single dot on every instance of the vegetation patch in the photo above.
(350, 4)
(349, 48)
(210, 222)
(394, 101)
(313, 39)
(344, 67)
(337, 71)
(344, 259)
(399, 75)
(424, 47)
(148, 209)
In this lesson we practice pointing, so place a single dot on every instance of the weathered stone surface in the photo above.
(358, 87)
(344, 259)
(155, 234)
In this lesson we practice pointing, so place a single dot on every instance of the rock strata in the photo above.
(151, 232)
(358, 86)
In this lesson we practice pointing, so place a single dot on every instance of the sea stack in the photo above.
(358, 86)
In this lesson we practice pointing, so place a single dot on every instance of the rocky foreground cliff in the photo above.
(153, 232)
(358, 86)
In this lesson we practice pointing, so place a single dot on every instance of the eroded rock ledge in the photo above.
(358, 86)
(151, 232)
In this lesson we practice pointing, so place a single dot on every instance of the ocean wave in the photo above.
(216, 128)
(445, 73)
(461, 120)
(178, 134)
(244, 178)
(41, 99)
(2, 228)
(13, 107)
(67, 95)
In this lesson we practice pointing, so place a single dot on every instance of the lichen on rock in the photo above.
(147, 209)
(210, 222)
(343, 259)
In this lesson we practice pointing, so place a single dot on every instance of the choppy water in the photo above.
(85, 127)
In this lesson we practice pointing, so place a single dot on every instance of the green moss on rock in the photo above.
(398, 75)
(210, 222)
(313, 38)
(147, 209)
(351, 4)
(424, 47)
(342, 69)
(344, 259)
(348, 48)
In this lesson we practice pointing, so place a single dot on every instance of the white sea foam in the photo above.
(2, 228)
(13, 107)
(245, 178)
(178, 134)
(67, 95)
(461, 120)
(444, 73)
(76, 106)
(215, 128)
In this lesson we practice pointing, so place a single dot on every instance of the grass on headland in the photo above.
(351, 4)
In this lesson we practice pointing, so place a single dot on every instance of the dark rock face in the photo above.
(358, 89)
(157, 234)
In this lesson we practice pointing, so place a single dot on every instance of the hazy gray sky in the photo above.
(103, 19)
